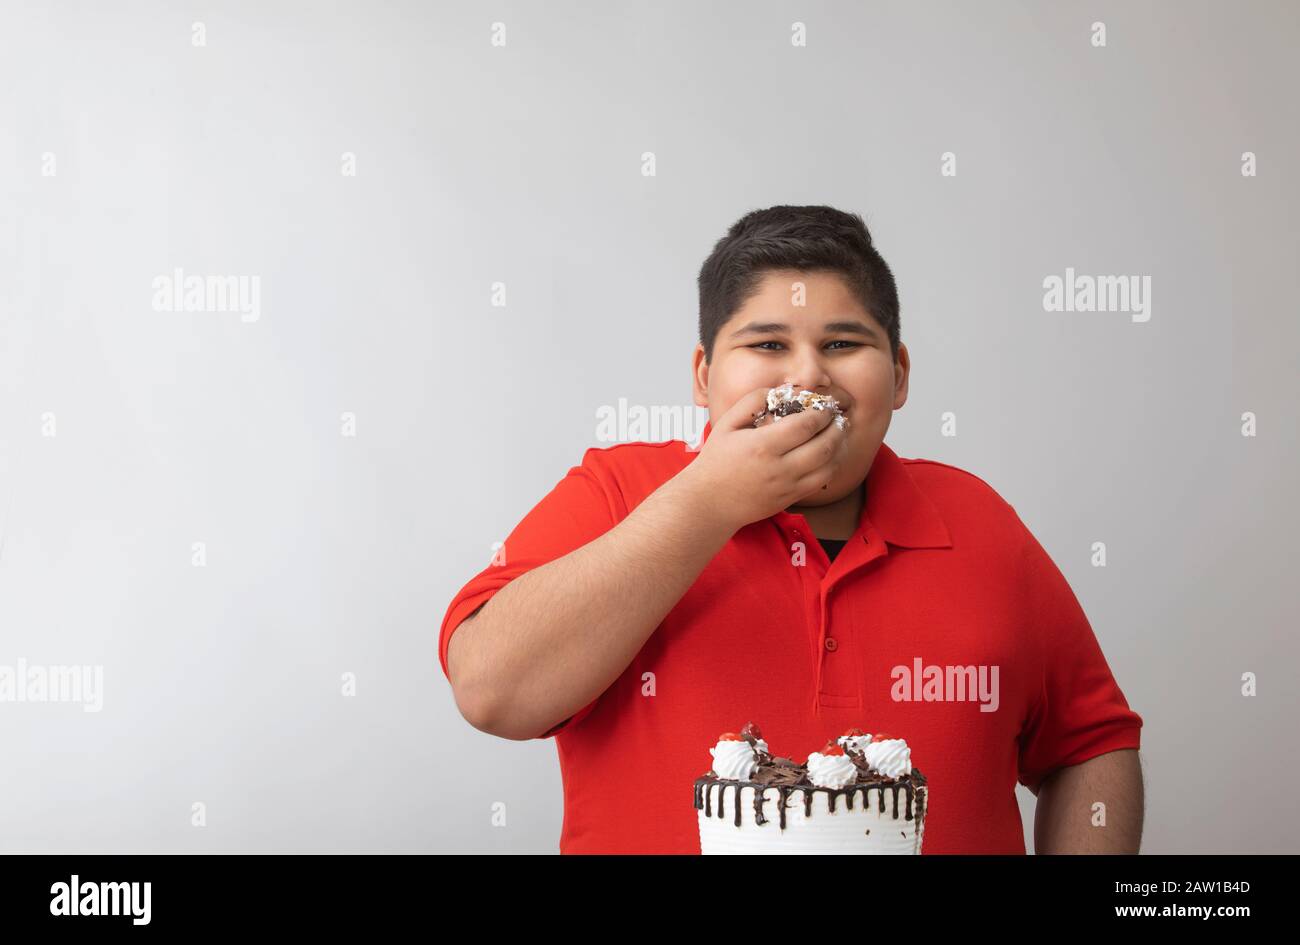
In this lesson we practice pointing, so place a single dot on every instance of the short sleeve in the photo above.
(1080, 712)
(575, 512)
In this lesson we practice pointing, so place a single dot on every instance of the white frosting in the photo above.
(735, 760)
(831, 771)
(892, 757)
(779, 395)
(857, 742)
(864, 828)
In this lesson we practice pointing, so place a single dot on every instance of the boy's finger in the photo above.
(796, 429)
(809, 451)
(744, 411)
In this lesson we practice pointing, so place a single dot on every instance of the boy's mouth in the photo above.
(788, 398)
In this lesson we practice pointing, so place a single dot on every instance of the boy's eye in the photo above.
(851, 344)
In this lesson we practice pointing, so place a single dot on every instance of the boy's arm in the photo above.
(1065, 821)
(556, 637)
(549, 642)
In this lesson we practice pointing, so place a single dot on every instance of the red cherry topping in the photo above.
(832, 749)
(853, 733)
(729, 737)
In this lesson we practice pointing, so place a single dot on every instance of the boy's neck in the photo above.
(836, 521)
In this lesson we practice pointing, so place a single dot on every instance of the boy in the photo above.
(798, 575)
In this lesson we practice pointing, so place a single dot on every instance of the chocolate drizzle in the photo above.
(911, 806)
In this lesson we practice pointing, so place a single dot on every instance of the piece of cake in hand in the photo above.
(858, 794)
(785, 400)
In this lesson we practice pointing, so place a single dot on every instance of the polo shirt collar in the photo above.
(895, 507)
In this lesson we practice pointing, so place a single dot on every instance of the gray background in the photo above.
(521, 164)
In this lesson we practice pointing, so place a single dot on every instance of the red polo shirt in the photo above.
(940, 573)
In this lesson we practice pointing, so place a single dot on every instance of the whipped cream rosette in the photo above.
(734, 759)
(831, 767)
(854, 741)
(889, 756)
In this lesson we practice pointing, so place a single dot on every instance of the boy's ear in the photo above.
(700, 376)
(902, 374)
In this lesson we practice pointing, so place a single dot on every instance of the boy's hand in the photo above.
(744, 474)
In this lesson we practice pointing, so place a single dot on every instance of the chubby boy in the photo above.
(798, 574)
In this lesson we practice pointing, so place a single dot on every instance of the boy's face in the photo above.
(829, 344)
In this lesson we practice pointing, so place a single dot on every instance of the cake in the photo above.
(784, 400)
(859, 794)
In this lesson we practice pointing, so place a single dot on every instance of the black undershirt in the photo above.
(833, 546)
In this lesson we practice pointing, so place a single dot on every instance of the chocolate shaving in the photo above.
(751, 734)
(777, 775)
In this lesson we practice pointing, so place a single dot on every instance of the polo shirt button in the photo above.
(831, 644)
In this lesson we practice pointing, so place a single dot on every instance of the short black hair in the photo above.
(807, 239)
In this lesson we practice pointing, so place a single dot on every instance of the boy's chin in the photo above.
(825, 496)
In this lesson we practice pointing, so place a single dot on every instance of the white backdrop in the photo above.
(252, 521)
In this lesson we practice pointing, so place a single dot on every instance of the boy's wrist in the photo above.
(698, 501)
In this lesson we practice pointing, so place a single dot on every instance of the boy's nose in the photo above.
(798, 386)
